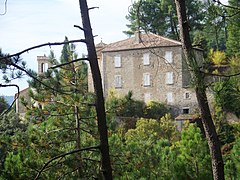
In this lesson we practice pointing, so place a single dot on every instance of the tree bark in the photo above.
(200, 88)
(100, 108)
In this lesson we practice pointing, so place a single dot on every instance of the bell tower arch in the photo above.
(43, 64)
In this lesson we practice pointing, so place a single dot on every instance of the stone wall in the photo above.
(132, 70)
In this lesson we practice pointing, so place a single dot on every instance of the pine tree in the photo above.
(63, 120)
(233, 40)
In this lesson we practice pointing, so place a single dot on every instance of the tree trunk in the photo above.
(200, 87)
(100, 108)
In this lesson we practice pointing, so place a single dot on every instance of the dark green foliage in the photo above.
(127, 106)
(12, 67)
(3, 104)
(144, 153)
(53, 114)
(155, 110)
(227, 95)
(159, 17)
(233, 40)
(11, 127)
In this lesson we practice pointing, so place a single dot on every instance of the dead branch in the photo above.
(79, 27)
(93, 8)
(63, 155)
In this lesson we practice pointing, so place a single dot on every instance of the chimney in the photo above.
(137, 35)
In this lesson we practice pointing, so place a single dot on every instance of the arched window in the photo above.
(44, 67)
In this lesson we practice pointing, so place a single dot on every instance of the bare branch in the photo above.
(76, 26)
(64, 64)
(222, 75)
(30, 75)
(93, 8)
(41, 45)
(63, 155)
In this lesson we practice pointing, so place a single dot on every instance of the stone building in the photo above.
(150, 66)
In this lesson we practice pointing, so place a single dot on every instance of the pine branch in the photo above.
(63, 155)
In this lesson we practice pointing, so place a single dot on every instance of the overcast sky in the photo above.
(31, 22)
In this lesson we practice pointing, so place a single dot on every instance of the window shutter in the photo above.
(117, 61)
(169, 78)
(169, 97)
(146, 60)
(168, 57)
(118, 81)
(146, 79)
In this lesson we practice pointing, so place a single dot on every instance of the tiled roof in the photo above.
(144, 41)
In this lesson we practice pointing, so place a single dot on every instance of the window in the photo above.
(147, 97)
(146, 79)
(168, 57)
(187, 95)
(169, 97)
(146, 60)
(117, 61)
(169, 78)
(186, 110)
(118, 81)
(44, 67)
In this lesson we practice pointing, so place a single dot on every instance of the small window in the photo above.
(187, 95)
(118, 81)
(147, 97)
(168, 57)
(169, 78)
(146, 79)
(186, 110)
(117, 61)
(169, 97)
(146, 59)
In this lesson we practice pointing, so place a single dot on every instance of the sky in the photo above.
(31, 22)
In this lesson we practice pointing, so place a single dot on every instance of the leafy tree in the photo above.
(126, 106)
(155, 110)
(144, 153)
